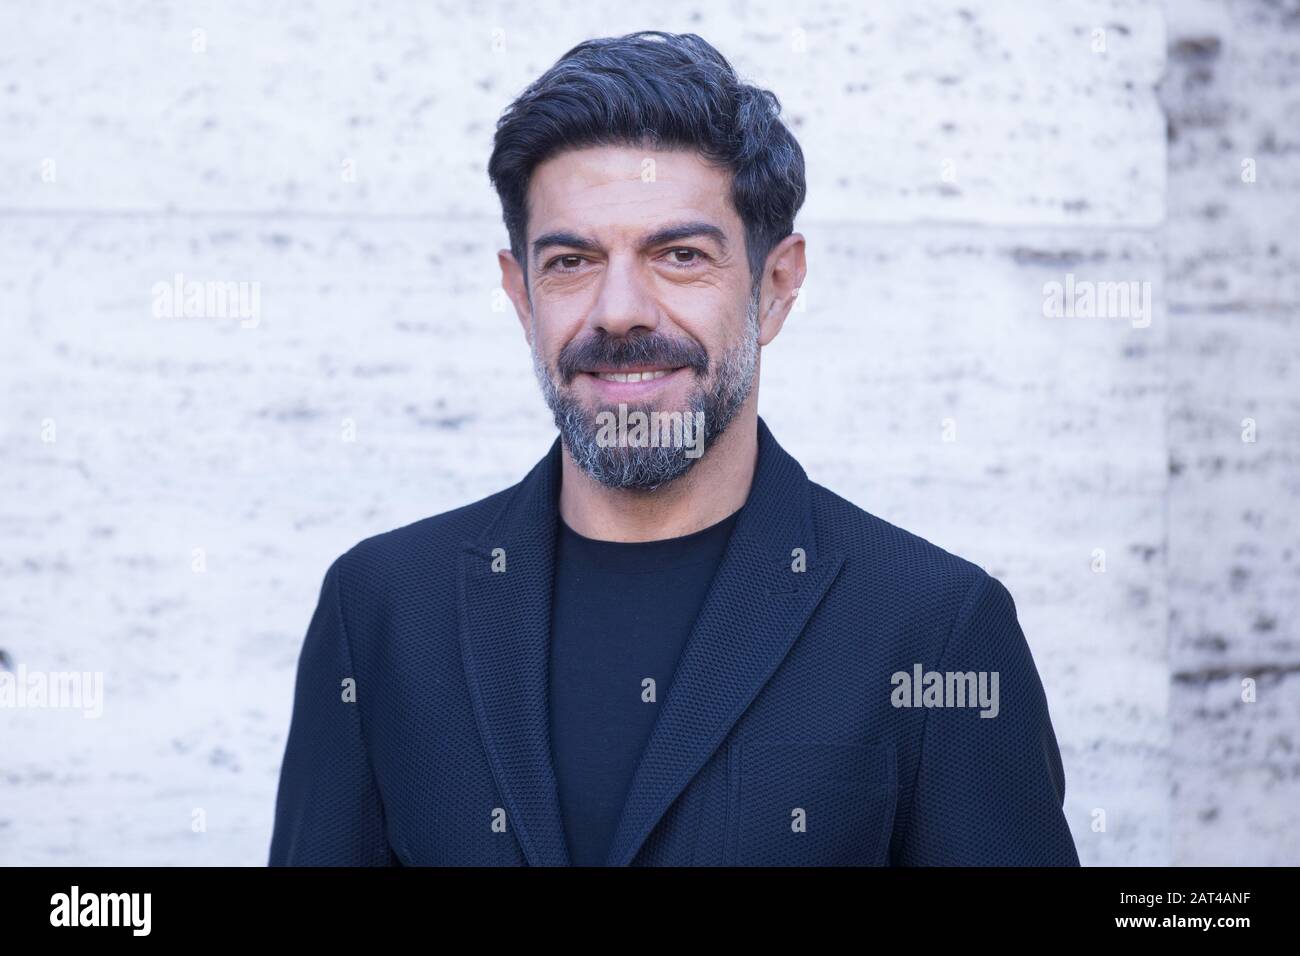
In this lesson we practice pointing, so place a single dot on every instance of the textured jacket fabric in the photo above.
(419, 732)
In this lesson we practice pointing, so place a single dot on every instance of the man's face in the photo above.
(640, 298)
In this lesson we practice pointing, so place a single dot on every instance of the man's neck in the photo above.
(715, 487)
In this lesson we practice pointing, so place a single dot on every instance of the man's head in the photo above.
(649, 196)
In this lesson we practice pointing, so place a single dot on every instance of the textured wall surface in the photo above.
(1233, 96)
(960, 157)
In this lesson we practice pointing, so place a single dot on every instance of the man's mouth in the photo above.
(645, 375)
(634, 383)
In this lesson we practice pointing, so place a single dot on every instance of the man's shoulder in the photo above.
(427, 543)
(888, 561)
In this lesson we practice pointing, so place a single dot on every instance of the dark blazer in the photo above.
(781, 738)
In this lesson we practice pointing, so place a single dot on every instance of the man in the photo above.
(665, 646)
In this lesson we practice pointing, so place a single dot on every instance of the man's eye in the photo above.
(675, 254)
(566, 263)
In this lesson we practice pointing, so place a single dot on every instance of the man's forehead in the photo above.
(627, 188)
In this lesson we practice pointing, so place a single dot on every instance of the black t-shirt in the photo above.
(621, 615)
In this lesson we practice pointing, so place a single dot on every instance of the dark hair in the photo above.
(665, 90)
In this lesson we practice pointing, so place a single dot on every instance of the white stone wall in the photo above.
(1233, 258)
(960, 156)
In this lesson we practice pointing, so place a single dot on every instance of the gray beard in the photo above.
(645, 468)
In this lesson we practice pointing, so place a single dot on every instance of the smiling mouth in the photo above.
(633, 376)
(643, 376)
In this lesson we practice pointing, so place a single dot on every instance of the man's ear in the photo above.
(783, 276)
(515, 286)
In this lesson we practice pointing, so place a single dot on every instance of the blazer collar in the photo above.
(756, 607)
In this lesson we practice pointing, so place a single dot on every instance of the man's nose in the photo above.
(624, 302)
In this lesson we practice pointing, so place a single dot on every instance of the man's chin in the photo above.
(630, 469)
(633, 447)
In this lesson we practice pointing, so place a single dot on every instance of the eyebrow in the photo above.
(673, 233)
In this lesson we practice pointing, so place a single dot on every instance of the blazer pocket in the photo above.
(809, 803)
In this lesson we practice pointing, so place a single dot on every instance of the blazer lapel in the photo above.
(756, 607)
(505, 639)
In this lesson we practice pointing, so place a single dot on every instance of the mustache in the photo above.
(605, 351)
